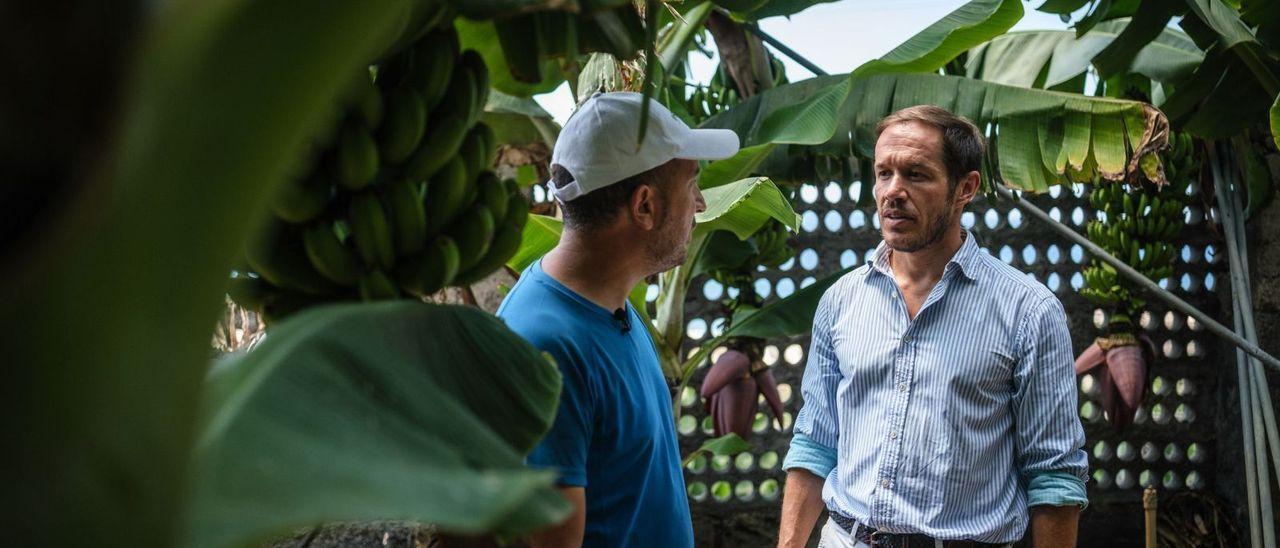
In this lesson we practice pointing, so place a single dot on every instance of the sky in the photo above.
(837, 37)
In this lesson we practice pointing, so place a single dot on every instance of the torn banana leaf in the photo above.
(1044, 137)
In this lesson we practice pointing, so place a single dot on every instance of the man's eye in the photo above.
(884, 173)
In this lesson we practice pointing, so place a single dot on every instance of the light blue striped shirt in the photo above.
(950, 424)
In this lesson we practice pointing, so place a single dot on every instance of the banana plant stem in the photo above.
(783, 49)
(1142, 281)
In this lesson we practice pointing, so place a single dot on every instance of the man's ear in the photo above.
(644, 207)
(968, 188)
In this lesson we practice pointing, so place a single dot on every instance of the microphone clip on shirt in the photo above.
(620, 316)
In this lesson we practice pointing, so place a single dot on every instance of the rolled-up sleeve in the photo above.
(1049, 436)
(817, 425)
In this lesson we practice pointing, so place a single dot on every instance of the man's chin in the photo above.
(902, 243)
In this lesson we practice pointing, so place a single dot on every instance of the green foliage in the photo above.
(1044, 59)
(1045, 137)
(518, 120)
(393, 410)
(220, 103)
(740, 166)
(744, 207)
(969, 25)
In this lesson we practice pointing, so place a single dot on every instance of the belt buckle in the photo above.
(880, 539)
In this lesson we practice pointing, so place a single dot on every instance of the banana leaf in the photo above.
(774, 8)
(740, 166)
(969, 25)
(727, 445)
(1148, 25)
(393, 410)
(116, 294)
(1237, 81)
(744, 206)
(814, 119)
(519, 120)
(541, 234)
(1043, 135)
(482, 37)
(1043, 59)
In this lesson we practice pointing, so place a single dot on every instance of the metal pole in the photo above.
(783, 49)
(1133, 275)
(1238, 253)
(1250, 457)
(1261, 414)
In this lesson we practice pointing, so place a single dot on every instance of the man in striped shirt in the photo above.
(939, 397)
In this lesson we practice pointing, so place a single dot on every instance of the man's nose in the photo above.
(699, 203)
(892, 189)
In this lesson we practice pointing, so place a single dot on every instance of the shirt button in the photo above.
(906, 338)
(902, 387)
(893, 435)
(884, 483)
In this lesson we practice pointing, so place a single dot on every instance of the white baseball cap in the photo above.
(598, 144)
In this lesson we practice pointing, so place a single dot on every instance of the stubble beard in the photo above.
(668, 250)
(934, 231)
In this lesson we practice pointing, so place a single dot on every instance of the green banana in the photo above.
(431, 271)
(367, 101)
(480, 80)
(473, 153)
(505, 243)
(300, 200)
(357, 158)
(405, 125)
(517, 208)
(519, 37)
(445, 195)
(445, 135)
(394, 71)
(276, 253)
(371, 231)
(409, 216)
(376, 286)
(328, 255)
(473, 232)
(493, 194)
(433, 65)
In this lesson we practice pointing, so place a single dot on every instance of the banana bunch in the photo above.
(720, 93)
(398, 199)
(1139, 226)
(768, 247)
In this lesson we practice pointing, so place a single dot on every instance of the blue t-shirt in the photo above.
(613, 433)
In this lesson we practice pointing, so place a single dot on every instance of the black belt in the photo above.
(880, 539)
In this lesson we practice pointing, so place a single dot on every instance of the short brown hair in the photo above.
(601, 206)
(962, 143)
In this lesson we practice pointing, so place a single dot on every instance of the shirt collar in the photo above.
(966, 258)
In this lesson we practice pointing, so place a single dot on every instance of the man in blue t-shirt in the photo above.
(628, 213)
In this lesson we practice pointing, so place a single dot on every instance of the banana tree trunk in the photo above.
(742, 54)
